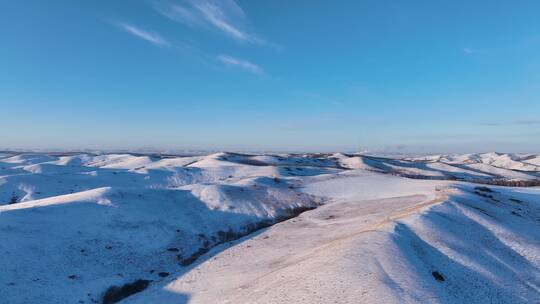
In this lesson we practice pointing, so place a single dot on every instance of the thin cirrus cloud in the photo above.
(177, 13)
(148, 36)
(224, 15)
(241, 64)
(525, 122)
(528, 122)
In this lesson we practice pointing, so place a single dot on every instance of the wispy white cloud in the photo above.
(525, 122)
(218, 17)
(151, 37)
(528, 122)
(224, 15)
(240, 63)
(468, 50)
(177, 12)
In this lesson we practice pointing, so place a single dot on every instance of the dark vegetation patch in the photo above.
(115, 293)
(489, 196)
(257, 226)
(13, 199)
(481, 210)
(227, 236)
(494, 182)
(192, 258)
(483, 189)
(516, 214)
(513, 183)
(294, 212)
(231, 235)
(437, 276)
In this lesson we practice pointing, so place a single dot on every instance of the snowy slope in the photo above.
(450, 244)
(500, 160)
(86, 223)
(73, 225)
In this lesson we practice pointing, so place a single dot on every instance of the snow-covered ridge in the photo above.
(25, 177)
(493, 168)
(82, 223)
(521, 162)
(471, 244)
(73, 225)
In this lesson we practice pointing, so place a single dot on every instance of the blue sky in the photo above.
(411, 76)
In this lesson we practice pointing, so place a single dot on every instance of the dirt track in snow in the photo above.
(263, 268)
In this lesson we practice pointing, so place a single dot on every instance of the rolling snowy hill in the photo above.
(427, 229)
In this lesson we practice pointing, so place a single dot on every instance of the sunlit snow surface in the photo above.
(385, 230)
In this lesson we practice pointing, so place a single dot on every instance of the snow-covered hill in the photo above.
(425, 242)
(74, 225)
